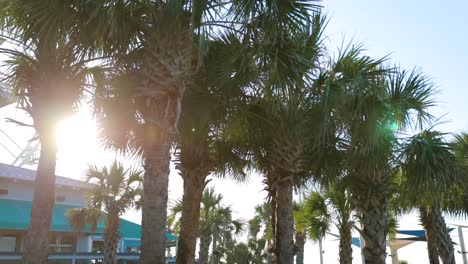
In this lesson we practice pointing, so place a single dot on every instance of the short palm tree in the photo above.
(261, 223)
(215, 220)
(429, 171)
(114, 191)
(47, 70)
(216, 228)
(313, 220)
(342, 210)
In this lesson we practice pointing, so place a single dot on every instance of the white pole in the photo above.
(462, 244)
(321, 251)
(394, 253)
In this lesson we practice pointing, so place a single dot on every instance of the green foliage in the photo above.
(241, 253)
(428, 164)
(261, 222)
(79, 218)
(313, 217)
(114, 190)
(216, 221)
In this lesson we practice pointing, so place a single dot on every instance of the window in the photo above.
(3, 191)
(60, 198)
(7, 243)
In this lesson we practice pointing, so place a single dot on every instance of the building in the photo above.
(16, 192)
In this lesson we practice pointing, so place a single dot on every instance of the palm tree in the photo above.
(202, 149)
(225, 228)
(262, 222)
(159, 47)
(313, 220)
(339, 210)
(429, 170)
(217, 226)
(115, 190)
(342, 212)
(275, 123)
(216, 221)
(47, 71)
(377, 103)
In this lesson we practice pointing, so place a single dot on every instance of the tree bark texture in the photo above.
(345, 246)
(285, 223)
(205, 241)
(194, 184)
(37, 239)
(373, 206)
(437, 235)
(431, 237)
(111, 237)
(300, 244)
(215, 254)
(155, 192)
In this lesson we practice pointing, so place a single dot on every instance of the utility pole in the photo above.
(462, 244)
(321, 251)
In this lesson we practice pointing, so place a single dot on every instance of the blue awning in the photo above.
(417, 233)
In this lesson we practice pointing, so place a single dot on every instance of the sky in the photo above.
(427, 35)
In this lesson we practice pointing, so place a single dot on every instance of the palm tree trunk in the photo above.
(437, 230)
(214, 248)
(155, 192)
(285, 223)
(445, 246)
(345, 247)
(37, 241)
(373, 205)
(111, 238)
(300, 243)
(205, 241)
(431, 237)
(194, 183)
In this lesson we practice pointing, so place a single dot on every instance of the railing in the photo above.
(76, 258)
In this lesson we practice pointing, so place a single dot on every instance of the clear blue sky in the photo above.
(429, 35)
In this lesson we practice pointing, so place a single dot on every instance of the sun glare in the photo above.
(76, 136)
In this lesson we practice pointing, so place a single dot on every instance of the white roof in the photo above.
(18, 173)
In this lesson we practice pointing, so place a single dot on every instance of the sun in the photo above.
(76, 137)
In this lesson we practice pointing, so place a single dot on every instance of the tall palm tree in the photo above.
(377, 103)
(202, 149)
(158, 47)
(429, 170)
(115, 190)
(47, 71)
(275, 123)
